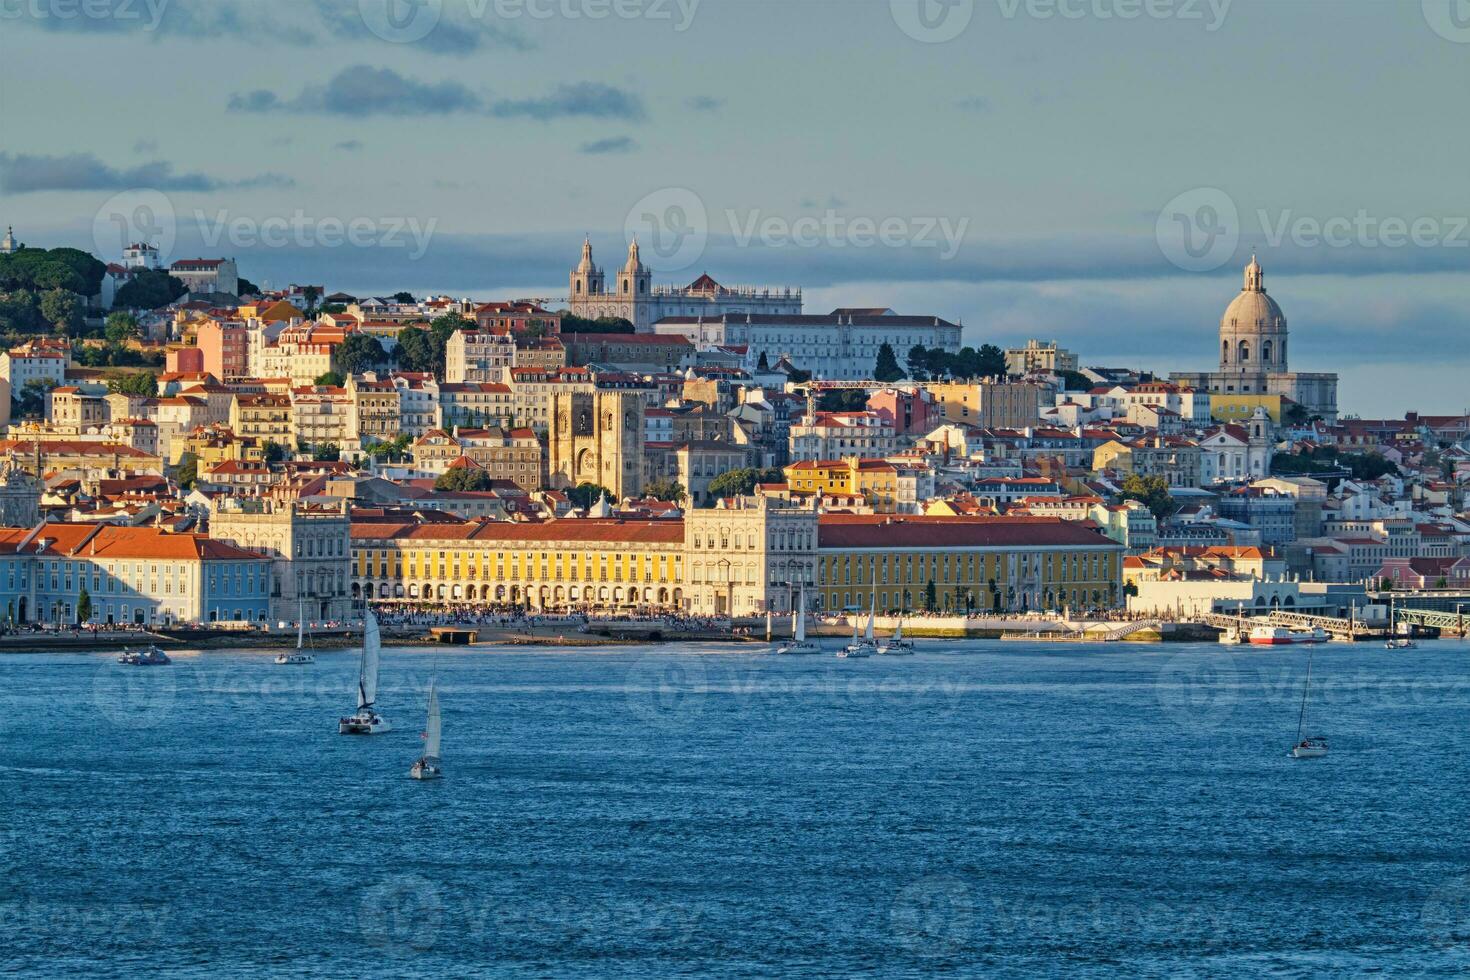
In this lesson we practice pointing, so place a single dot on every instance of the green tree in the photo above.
(584, 495)
(30, 401)
(327, 452)
(331, 379)
(1151, 491)
(63, 310)
(359, 352)
(311, 294)
(186, 475)
(664, 489)
(742, 482)
(887, 368)
(403, 296)
(143, 383)
(931, 597)
(843, 400)
(465, 478)
(918, 362)
(415, 352)
(992, 362)
(603, 324)
(148, 290)
(244, 287)
(762, 363)
(122, 327)
(395, 448)
(274, 452)
(1075, 381)
(84, 606)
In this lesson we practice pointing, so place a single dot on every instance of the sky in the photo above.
(1091, 171)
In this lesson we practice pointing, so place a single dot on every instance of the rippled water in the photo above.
(990, 808)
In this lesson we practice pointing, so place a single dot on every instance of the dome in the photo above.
(1253, 311)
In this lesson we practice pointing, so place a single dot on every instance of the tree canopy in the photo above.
(359, 352)
(584, 495)
(887, 368)
(465, 478)
(989, 361)
(148, 290)
(742, 482)
(1152, 492)
(143, 383)
(665, 489)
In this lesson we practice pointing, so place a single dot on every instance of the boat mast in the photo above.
(1301, 719)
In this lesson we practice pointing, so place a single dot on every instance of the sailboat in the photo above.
(897, 646)
(427, 767)
(1398, 637)
(1308, 747)
(367, 721)
(864, 645)
(799, 644)
(299, 656)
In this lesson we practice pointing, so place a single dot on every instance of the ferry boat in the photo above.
(1281, 635)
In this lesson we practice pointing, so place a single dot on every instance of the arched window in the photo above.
(1266, 352)
(1245, 351)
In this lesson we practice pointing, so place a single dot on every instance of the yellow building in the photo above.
(264, 417)
(212, 445)
(1238, 409)
(875, 480)
(979, 564)
(569, 564)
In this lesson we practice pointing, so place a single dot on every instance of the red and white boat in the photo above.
(1282, 636)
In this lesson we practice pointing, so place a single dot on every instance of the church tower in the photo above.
(1260, 438)
(587, 278)
(1253, 334)
(634, 280)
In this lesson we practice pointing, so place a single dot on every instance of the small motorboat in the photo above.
(150, 656)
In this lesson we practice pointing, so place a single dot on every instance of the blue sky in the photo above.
(1096, 171)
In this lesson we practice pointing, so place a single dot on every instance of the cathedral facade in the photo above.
(634, 297)
(596, 437)
(1253, 354)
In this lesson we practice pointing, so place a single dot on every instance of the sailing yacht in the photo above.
(427, 767)
(1399, 637)
(861, 646)
(798, 644)
(1307, 747)
(367, 721)
(897, 646)
(299, 656)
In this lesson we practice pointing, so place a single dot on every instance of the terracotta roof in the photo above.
(608, 531)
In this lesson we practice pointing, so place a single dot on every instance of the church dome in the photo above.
(1253, 310)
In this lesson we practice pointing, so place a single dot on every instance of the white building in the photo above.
(842, 345)
(207, 275)
(634, 297)
(38, 359)
(477, 356)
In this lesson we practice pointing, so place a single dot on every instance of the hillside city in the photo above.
(182, 446)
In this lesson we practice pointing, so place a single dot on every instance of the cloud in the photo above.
(145, 146)
(706, 103)
(27, 173)
(362, 90)
(614, 144)
(585, 99)
(974, 103)
(300, 23)
(359, 91)
(348, 146)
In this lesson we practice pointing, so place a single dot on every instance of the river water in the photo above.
(981, 808)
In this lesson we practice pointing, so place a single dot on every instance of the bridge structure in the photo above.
(1347, 630)
(1452, 623)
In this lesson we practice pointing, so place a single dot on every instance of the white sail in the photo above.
(431, 730)
(897, 632)
(367, 680)
(300, 624)
(799, 630)
(872, 619)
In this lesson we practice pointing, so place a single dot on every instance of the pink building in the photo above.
(908, 410)
(224, 349)
(184, 360)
